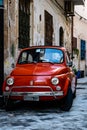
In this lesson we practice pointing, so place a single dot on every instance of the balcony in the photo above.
(77, 2)
(67, 6)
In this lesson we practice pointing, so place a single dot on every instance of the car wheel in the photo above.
(9, 104)
(67, 101)
(74, 94)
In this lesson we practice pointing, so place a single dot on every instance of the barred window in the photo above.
(24, 23)
(48, 28)
(83, 49)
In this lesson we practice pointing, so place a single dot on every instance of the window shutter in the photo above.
(83, 49)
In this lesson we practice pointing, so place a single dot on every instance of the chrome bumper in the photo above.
(60, 93)
(33, 94)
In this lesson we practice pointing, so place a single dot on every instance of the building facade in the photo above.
(36, 22)
(80, 38)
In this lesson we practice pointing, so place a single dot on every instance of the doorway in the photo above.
(61, 37)
(48, 28)
(24, 23)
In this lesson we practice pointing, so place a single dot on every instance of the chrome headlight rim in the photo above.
(10, 81)
(55, 81)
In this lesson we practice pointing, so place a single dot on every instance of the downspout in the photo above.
(72, 37)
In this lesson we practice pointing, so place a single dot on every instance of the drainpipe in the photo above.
(72, 37)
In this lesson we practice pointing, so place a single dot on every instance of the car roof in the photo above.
(32, 47)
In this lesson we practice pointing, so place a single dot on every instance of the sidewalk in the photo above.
(82, 80)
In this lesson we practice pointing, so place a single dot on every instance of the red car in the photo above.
(42, 73)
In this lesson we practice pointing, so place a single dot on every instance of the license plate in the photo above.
(31, 98)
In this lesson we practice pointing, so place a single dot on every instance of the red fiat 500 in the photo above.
(42, 73)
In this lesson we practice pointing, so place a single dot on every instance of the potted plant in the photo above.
(76, 51)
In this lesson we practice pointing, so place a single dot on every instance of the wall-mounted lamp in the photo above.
(80, 18)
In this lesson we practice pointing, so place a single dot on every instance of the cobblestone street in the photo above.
(48, 118)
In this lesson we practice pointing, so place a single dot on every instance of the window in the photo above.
(83, 49)
(48, 28)
(69, 7)
(61, 37)
(24, 23)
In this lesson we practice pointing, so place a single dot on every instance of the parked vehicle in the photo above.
(42, 73)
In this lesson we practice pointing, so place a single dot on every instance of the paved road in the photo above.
(48, 118)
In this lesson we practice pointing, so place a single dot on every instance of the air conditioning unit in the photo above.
(69, 8)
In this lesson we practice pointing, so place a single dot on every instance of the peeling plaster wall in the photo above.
(80, 28)
(10, 35)
(58, 21)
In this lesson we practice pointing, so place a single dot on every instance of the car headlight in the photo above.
(54, 81)
(10, 81)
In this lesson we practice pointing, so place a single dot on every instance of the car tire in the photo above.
(9, 104)
(74, 94)
(66, 102)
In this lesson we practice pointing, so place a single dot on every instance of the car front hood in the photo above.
(38, 69)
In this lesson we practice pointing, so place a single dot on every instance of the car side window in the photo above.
(30, 58)
(23, 57)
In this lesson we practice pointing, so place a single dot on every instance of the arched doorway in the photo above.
(61, 37)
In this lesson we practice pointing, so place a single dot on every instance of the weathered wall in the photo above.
(58, 21)
(80, 27)
(10, 34)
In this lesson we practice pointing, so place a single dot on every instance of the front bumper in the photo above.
(33, 95)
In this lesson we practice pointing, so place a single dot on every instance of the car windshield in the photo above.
(37, 55)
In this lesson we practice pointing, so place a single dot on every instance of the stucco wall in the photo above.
(80, 28)
(10, 34)
(58, 21)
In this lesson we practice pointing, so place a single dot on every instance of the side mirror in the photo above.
(70, 63)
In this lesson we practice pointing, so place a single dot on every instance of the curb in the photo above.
(85, 83)
(82, 81)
